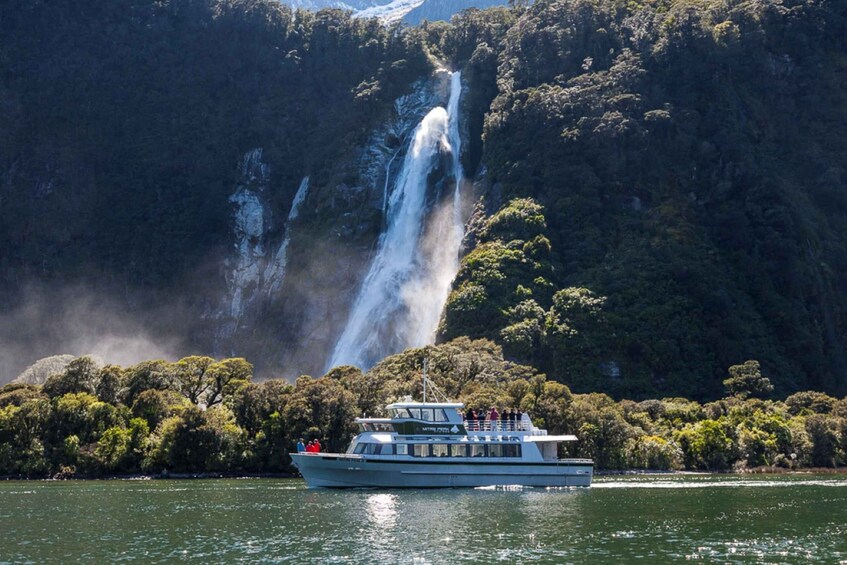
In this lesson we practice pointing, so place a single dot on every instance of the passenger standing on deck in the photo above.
(471, 419)
(524, 421)
(493, 415)
(301, 447)
(317, 445)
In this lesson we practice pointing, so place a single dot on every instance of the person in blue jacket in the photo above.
(301, 447)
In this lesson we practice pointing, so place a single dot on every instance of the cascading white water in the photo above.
(440, 245)
(400, 300)
(275, 271)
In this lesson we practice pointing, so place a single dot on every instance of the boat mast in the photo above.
(424, 380)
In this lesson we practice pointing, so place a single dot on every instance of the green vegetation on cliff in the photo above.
(124, 123)
(664, 186)
(688, 160)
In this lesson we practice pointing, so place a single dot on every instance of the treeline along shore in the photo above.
(199, 415)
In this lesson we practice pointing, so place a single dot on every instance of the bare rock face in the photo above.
(251, 223)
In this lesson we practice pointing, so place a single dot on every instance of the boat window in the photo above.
(402, 449)
(420, 450)
(458, 450)
(415, 413)
(367, 427)
(511, 450)
(440, 415)
(373, 449)
(360, 448)
(401, 413)
(383, 427)
(478, 450)
(387, 449)
(495, 450)
(439, 450)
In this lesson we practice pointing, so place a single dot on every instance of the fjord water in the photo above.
(658, 519)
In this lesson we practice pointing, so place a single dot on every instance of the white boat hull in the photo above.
(346, 471)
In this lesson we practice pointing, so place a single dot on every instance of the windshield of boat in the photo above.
(426, 414)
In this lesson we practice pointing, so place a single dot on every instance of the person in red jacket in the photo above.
(317, 445)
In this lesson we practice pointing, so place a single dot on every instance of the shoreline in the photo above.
(603, 473)
(751, 471)
(161, 477)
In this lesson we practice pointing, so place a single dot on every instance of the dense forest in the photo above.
(661, 192)
(198, 415)
(684, 165)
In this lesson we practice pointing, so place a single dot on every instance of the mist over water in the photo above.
(401, 297)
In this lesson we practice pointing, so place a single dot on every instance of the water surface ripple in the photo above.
(726, 519)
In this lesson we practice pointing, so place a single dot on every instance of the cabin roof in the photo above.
(405, 404)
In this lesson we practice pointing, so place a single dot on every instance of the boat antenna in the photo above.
(439, 395)
(424, 379)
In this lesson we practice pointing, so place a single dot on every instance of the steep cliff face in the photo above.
(123, 181)
(664, 194)
(256, 269)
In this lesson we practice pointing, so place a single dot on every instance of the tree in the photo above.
(576, 335)
(256, 402)
(746, 380)
(226, 378)
(147, 375)
(706, 445)
(826, 441)
(810, 402)
(154, 406)
(321, 408)
(81, 375)
(192, 377)
(109, 383)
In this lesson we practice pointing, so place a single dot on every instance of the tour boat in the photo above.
(431, 445)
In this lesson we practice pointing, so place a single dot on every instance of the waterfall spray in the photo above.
(275, 271)
(401, 297)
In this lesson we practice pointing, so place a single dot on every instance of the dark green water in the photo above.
(655, 519)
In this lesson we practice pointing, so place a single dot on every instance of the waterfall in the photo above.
(401, 297)
(441, 244)
(275, 271)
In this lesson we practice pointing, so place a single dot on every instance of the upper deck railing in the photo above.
(498, 425)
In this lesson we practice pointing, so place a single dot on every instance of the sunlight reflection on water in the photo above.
(658, 518)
